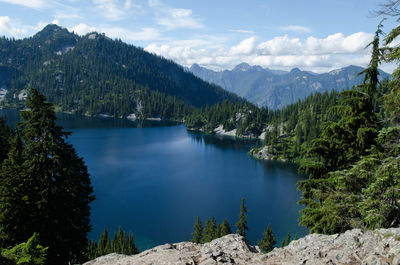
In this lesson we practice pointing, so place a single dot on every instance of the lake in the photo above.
(154, 179)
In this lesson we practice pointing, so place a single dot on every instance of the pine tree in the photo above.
(198, 231)
(225, 229)
(241, 225)
(268, 241)
(54, 186)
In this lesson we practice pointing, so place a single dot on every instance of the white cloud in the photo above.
(35, 4)
(9, 29)
(13, 28)
(179, 18)
(296, 28)
(81, 29)
(242, 31)
(284, 52)
(116, 9)
(246, 46)
(118, 32)
(173, 18)
(63, 15)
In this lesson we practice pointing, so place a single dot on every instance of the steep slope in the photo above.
(95, 74)
(381, 246)
(276, 89)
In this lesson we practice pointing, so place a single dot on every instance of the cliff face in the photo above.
(381, 246)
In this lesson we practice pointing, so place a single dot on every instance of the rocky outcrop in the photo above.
(381, 246)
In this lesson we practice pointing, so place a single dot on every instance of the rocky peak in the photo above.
(242, 67)
(381, 246)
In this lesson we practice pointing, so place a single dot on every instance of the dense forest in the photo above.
(96, 75)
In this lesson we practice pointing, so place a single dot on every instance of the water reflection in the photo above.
(224, 142)
(72, 121)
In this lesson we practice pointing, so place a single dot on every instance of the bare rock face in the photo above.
(377, 247)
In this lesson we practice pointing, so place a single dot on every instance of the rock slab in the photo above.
(378, 247)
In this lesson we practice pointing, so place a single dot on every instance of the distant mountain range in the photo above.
(94, 74)
(276, 89)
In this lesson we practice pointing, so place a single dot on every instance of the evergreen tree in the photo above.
(241, 225)
(330, 208)
(53, 186)
(5, 135)
(287, 240)
(91, 252)
(123, 243)
(225, 229)
(104, 244)
(198, 231)
(210, 229)
(268, 241)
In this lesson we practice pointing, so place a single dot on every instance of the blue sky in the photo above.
(315, 35)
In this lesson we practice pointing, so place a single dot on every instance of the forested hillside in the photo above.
(94, 74)
(285, 132)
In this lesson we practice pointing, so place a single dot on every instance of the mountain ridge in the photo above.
(94, 74)
(277, 89)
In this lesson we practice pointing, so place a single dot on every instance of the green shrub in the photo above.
(30, 252)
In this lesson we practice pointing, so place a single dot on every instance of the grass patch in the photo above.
(388, 235)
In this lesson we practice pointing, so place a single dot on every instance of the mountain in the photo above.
(94, 74)
(276, 89)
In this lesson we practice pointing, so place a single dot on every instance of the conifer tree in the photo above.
(198, 231)
(287, 240)
(104, 244)
(54, 186)
(225, 229)
(268, 241)
(329, 208)
(5, 137)
(209, 232)
(241, 225)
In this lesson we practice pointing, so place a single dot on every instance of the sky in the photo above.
(313, 35)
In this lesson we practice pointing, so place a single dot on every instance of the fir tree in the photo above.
(5, 137)
(241, 225)
(198, 231)
(329, 208)
(209, 232)
(225, 229)
(287, 240)
(268, 241)
(54, 188)
(104, 244)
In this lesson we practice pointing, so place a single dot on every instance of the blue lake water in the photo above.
(154, 179)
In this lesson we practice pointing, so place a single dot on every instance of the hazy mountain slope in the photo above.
(276, 89)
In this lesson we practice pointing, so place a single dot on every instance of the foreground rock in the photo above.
(353, 247)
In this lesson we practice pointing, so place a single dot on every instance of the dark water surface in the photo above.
(155, 178)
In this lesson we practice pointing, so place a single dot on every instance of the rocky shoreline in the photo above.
(381, 246)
